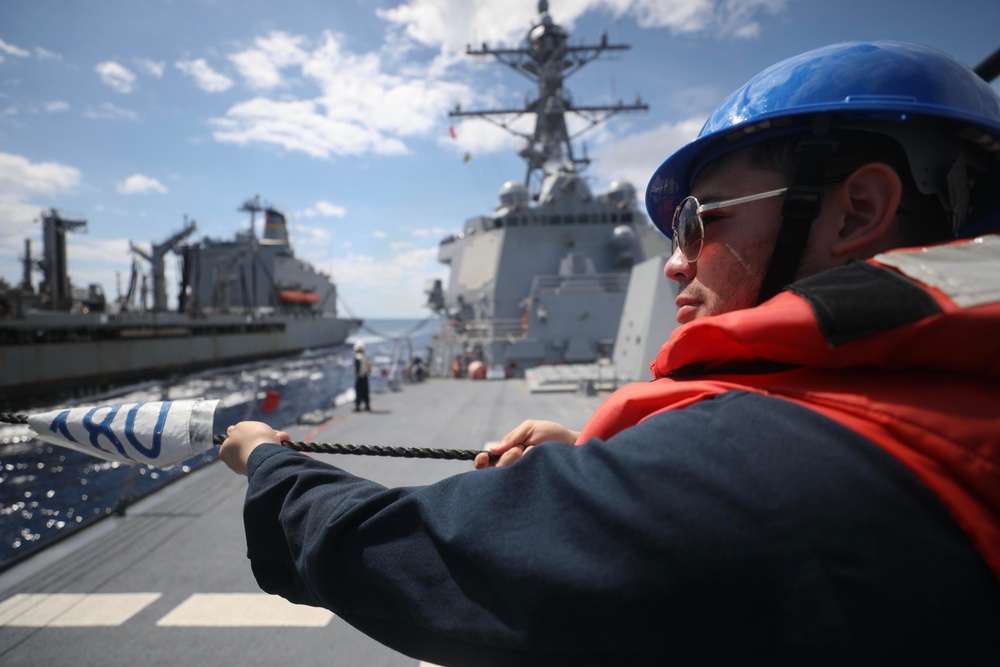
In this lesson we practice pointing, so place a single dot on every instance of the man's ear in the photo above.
(867, 202)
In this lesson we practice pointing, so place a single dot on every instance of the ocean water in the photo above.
(48, 492)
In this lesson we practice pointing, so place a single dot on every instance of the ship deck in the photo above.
(169, 584)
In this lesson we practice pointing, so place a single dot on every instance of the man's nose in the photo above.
(679, 268)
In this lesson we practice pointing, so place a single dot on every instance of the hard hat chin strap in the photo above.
(802, 205)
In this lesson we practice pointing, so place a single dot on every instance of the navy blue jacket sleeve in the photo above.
(744, 526)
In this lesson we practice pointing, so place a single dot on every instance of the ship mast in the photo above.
(548, 60)
(253, 207)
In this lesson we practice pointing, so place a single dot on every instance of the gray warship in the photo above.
(543, 279)
(242, 299)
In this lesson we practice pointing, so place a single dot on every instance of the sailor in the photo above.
(362, 369)
(417, 369)
(813, 476)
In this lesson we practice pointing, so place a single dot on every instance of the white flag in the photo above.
(159, 433)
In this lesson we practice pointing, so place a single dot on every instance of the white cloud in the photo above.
(325, 209)
(388, 287)
(153, 68)
(437, 231)
(21, 182)
(12, 50)
(379, 234)
(140, 184)
(45, 54)
(721, 18)
(447, 24)
(108, 111)
(116, 76)
(97, 251)
(20, 177)
(636, 157)
(300, 126)
(261, 66)
(474, 136)
(204, 76)
(310, 236)
(359, 106)
(56, 106)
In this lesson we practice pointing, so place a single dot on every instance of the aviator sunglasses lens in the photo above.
(688, 229)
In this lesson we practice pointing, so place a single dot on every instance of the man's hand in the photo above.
(531, 432)
(242, 439)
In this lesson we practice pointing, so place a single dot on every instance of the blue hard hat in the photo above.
(878, 86)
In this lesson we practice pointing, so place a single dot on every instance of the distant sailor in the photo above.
(362, 369)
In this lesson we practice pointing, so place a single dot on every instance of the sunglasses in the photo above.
(689, 229)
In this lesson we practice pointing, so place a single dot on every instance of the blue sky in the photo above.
(132, 115)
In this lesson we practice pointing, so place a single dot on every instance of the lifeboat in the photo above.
(298, 296)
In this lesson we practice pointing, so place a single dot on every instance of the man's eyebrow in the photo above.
(713, 197)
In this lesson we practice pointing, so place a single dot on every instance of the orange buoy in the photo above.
(270, 402)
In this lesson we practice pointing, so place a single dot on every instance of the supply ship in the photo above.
(241, 299)
(542, 280)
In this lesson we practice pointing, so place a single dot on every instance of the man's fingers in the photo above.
(510, 456)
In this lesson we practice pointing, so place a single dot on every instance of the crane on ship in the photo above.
(155, 258)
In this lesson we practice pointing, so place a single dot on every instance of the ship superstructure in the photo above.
(542, 279)
(251, 274)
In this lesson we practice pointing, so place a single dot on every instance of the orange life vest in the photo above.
(926, 387)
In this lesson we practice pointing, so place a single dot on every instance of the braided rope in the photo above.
(377, 450)
(336, 448)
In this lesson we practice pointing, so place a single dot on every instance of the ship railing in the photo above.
(506, 327)
(585, 282)
(497, 327)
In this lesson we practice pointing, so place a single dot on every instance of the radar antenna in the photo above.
(548, 60)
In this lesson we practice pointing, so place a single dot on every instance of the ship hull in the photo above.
(109, 356)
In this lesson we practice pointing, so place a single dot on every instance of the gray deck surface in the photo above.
(187, 540)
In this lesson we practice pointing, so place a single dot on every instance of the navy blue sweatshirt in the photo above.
(740, 530)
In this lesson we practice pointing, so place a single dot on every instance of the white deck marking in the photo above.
(232, 610)
(64, 610)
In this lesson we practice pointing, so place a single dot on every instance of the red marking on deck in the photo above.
(319, 429)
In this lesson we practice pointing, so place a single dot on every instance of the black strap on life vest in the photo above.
(859, 299)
